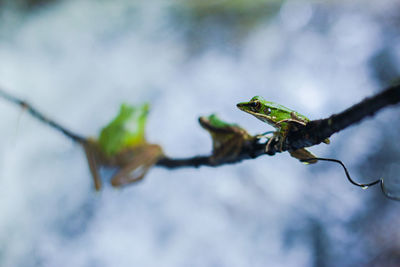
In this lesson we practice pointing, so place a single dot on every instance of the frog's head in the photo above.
(259, 108)
(256, 106)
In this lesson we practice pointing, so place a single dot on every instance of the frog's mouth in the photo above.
(240, 105)
(243, 105)
(246, 107)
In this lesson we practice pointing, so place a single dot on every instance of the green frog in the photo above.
(281, 118)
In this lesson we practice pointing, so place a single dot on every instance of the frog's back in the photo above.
(279, 111)
(279, 107)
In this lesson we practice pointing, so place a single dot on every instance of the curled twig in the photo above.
(363, 186)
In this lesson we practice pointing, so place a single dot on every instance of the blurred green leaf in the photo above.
(227, 138)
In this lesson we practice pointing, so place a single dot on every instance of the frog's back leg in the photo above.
(302, 123)
(302, 154)
(143, 159)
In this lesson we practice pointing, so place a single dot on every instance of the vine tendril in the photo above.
(363, 186)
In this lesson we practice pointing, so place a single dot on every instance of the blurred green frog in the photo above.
(122, 144)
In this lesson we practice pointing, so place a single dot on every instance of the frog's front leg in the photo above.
(285, 129)
(281, 134)
(264, 135)
(276, 134)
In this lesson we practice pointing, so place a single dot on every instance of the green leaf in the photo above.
(126, 130)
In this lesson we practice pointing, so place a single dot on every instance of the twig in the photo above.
(251, 149)
(184, 162)
(318, 130)
(35, 113)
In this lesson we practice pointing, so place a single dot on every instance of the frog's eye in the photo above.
(254, 105)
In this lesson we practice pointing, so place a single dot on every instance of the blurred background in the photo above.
(78, 60)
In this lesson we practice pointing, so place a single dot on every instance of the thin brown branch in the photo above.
(318, 130)
(38, 115)
(313, 133)
(250, 150)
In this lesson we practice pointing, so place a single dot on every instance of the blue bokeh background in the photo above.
(78, 60)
